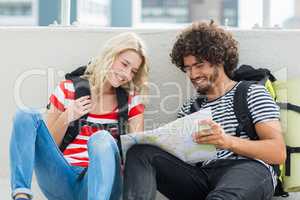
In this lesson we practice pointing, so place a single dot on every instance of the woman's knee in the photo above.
(26, 116)
(102, 142)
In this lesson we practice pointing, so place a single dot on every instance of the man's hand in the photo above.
(78, 108)
(215, 135)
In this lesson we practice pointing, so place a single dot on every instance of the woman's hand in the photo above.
(78, 108)
(215, 135)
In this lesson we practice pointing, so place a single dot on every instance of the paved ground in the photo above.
(5, 193)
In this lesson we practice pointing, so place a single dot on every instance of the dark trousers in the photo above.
(149, 168)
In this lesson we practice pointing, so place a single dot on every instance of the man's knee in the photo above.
(223, 195)
(141, 151)
(239, 194)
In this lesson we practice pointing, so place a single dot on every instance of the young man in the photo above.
(242, 168)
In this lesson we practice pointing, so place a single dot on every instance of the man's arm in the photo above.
(270, 147)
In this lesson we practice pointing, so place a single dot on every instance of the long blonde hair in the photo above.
(97, 70)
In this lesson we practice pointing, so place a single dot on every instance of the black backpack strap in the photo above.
(279, 192)
(242, 111)
(197, 104)
(289, 106)
(122, 98)
(243, 115)
(289, 149)
(76, 73)
(74, 76)
(82, 88)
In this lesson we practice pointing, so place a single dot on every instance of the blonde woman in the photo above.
(35, 144)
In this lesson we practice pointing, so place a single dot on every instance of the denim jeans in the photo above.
(33, 148)
(149, 168)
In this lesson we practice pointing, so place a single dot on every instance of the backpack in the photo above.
(289, 98)
(248, 76)
(264, 77)
(82, 88)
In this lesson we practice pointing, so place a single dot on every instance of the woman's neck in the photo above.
(107, 89)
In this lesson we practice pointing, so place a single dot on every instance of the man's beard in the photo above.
(204, 89)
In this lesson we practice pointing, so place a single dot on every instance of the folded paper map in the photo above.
(176, 138)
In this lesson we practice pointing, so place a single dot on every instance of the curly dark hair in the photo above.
(206, 41)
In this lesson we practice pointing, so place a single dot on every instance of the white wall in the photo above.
(34, 59)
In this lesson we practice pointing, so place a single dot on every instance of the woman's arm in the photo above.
(136, 124)
(58, 121)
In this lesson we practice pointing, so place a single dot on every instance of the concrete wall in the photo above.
(33, 60)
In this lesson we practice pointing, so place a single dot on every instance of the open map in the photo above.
(175, 138)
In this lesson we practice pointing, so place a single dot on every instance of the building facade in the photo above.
(45, 12)
(18, 12)
(152, 13)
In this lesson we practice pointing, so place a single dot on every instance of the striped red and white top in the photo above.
(76, 153)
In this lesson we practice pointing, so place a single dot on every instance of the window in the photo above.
(229, 13)
(165, 11)
(16, 9)
(93, 12)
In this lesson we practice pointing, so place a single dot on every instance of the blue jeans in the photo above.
(32, 147)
